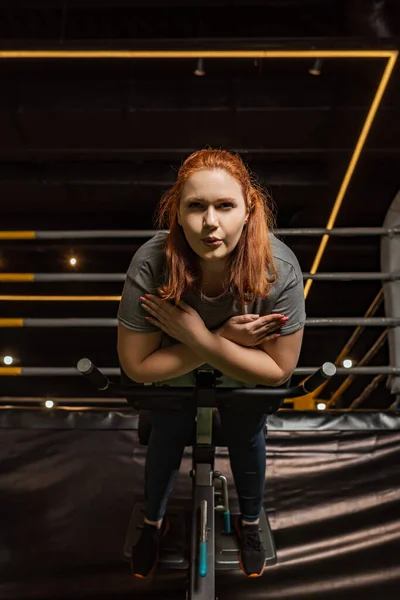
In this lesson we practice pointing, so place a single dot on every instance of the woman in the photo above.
(220, 283)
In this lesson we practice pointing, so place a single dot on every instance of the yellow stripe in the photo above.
(11, 322)
(62, 298)
(196, 53)
(17, 235)
(10, 370)
(17, 277)
(352, 165)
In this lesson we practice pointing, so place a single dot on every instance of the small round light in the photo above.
(317, 67)
(321, 406)
(72, 261)
(347, 363)
(8, 360)
(199, 71)
(49, 404)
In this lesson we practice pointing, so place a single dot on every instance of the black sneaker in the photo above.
(252, 553)
(145, 554)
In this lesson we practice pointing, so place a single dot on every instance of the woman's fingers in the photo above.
(149, 309)
(270, 322)
(152, 308)
(269, 331)
(268, 338)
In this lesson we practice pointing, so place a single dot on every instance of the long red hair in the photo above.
(250, 268)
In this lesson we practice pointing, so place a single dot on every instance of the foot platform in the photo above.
(175, 547)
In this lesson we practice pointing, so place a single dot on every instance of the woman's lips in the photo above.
(212, 244)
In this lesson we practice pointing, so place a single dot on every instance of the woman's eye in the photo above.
(193, 204)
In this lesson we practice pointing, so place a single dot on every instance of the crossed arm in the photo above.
(271, 364)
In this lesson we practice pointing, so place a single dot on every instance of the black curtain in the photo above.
(69, 479)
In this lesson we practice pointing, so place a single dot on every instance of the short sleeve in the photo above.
(140, 280)
(291, 303)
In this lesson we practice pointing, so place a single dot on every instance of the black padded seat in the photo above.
(144, 429)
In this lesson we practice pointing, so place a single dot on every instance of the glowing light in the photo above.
(347, 363)
(49, 404)
(316, 68)
(8, 360)
(199, 71)
(321, 406)
(72, 261)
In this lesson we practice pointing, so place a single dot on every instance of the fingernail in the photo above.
(285, 318)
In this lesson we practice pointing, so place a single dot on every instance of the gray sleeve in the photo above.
(291, 303)
(139, 280)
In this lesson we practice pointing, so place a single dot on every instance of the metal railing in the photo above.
(107, 277)
(145, 233)
(104, 322)
(115, 371)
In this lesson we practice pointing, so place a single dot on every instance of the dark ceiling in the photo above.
(92, 144)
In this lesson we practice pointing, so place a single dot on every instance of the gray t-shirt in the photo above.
(147, 271)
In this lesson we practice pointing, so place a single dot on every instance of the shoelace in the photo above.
(252, 541)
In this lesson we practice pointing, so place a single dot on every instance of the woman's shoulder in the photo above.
(153, 246)
(282, 252)
(152, 253)
(286, 262)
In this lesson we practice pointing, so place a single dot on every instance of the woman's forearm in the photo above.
(248, 365)
(168, 363)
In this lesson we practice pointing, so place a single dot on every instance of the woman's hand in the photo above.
(252, 330)
(181, 322)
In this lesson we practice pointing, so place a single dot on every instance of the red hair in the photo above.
(250, 268)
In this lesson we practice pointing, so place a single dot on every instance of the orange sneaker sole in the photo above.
(237, 528)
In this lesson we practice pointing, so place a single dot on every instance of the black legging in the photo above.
(245, 438)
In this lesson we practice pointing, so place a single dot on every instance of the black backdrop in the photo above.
(69, 478)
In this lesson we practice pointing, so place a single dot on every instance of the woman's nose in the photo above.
(210, 219)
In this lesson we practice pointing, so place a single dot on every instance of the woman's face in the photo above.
(212, 204)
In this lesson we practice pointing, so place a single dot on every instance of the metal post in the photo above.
(366, 391)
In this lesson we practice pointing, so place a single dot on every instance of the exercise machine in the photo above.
(213, 545)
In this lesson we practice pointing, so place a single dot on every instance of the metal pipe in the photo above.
(37, 298)
(355, 370)
(145, 233)
(46, 277)
(115, 371)
(338, 231)
(350, 321)
(63, 401)
(350, 276)
(104, 322)
(41, 277)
